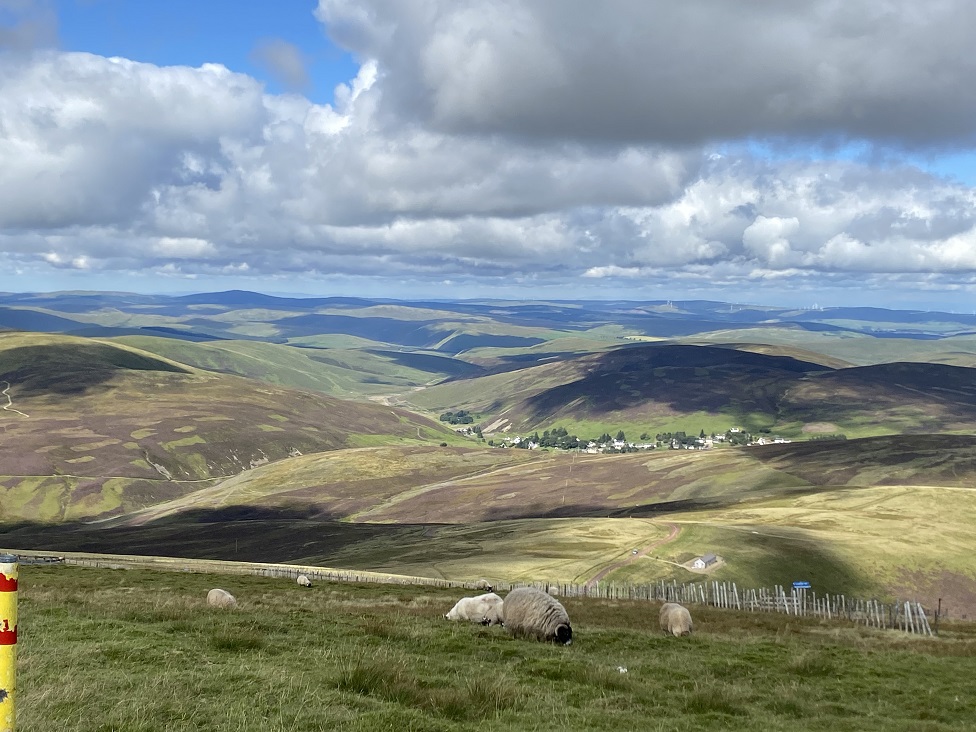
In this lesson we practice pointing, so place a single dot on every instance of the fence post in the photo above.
(8, 642)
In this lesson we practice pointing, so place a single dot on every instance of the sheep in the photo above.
(483, 584)
(530, 612)
(304, 581)
(675, 619)
(495, 615)
(220, 598)
(473, 609)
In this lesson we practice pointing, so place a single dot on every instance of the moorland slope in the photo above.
(669, 387)
(92, 428)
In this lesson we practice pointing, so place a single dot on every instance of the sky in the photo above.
(797, 154)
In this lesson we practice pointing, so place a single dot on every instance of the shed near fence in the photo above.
(706, 560)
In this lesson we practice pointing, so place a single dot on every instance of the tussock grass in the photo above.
(140, 650)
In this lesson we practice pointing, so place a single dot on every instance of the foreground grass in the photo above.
(139, 650)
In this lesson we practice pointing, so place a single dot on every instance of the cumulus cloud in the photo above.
(503, 144)
(675, 73)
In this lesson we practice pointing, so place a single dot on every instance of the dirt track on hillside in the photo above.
(672, 535)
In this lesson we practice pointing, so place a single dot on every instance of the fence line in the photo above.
(905, 615)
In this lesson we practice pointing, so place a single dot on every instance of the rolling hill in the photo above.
(461, 485)
(669, 387)
(92, 428)
(210, 421)
(891, 516)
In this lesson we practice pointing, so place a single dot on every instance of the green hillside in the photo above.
(341, 372)
(95, 428)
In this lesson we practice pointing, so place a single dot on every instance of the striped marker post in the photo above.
(8, 641)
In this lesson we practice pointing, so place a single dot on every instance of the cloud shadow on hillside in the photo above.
(241, 533)
(69, 369)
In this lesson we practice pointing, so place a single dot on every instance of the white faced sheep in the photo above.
(530, 612)
(473, 609)
(675, 619)
(220, 598)
(304, 581)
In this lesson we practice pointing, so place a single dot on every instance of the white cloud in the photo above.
(768, 239)
(183, 248)
(668, 72)
(112, 166)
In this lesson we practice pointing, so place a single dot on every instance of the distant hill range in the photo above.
(446, 326)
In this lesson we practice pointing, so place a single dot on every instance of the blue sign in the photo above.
(801, 585)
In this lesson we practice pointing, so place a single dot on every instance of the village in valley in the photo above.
(559, 438)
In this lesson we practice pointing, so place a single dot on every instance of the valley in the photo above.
(242, 426)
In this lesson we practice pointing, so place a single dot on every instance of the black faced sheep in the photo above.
(495, 615)
(473, 609)
(304, 581)
(530, 612)
(483, 584)
(675, 619)
(220, 598)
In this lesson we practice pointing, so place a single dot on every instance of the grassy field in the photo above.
(139, 651)
(557, 550)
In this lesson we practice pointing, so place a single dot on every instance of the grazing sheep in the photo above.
(473, 609)
(530, 612)
(304, 581)
(675, 619)
(220, 598)
(495, 614)
(483, 584)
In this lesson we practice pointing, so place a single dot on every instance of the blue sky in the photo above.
(787, 154)
(195, 32)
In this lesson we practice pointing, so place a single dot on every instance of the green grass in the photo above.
(342, 369)
(140, 651)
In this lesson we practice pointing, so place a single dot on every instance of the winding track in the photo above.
(9, 406)
(672, 535)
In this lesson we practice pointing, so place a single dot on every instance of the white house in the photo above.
(704, 561)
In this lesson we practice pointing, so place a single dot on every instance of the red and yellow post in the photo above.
(8, 641)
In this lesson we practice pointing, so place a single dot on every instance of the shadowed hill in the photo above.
(51, 369)
(655, 386)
